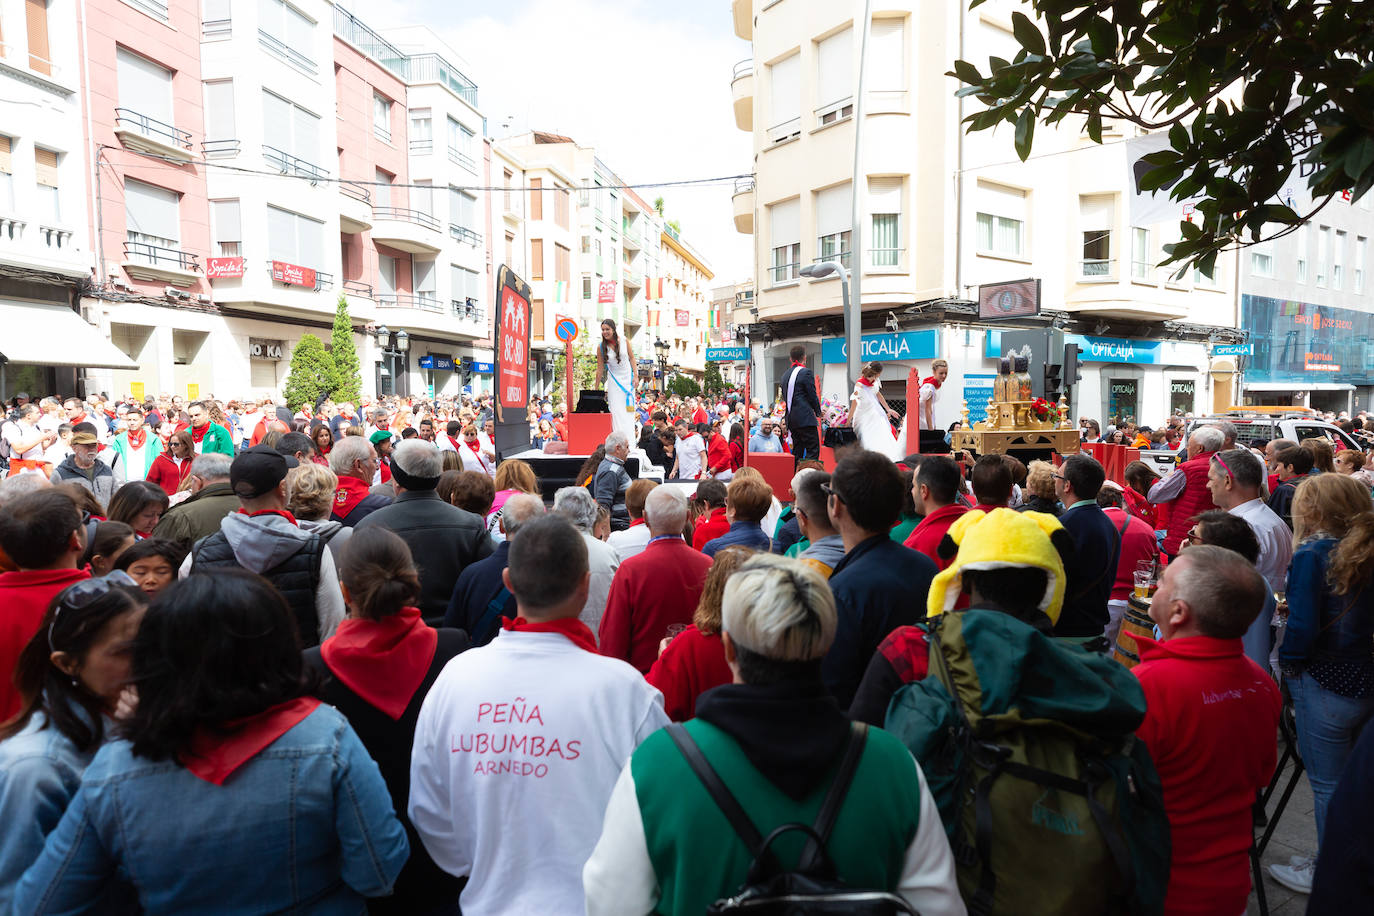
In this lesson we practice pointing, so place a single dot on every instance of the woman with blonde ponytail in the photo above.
(376, 669)
(1326, 655)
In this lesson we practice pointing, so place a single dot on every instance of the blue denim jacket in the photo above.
(1312, 605)
(305, 826)
(40, 771)
(741, 534)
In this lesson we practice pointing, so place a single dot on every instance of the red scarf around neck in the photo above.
(198, 434)
(214, 755)
(866, 382)
(577, 632)
(455, 443)
(351, 492)
(931, 380)
(383, 661)
(137, 437)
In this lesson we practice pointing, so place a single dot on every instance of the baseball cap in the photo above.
(84, 438)
(258, 470)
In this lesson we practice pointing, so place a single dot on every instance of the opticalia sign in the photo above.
(1094, 349)
(221, 268)
(1233, 349)
(293, 274)
(726, 354)
(891, 347)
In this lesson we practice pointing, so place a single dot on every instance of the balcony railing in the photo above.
(464, 234)
(884, 257)
(160, 256)
(422, 146)
(356, 191)
(128, 119)
(358, 288)
(408, 301)
(744, 185)
(11, 229)
(743, 68)
(219, 149)
(287, 53)
(55, 238)
(410, 216)
(462, 159)
(214, 29)
(421, 68)
(841, 256)
(1097, 267)
(292, 165)
(467, 309)
(157, 8)
(322, 279)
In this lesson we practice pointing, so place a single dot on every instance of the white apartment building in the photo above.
(945, 212)
(685, 313)
(45, 228)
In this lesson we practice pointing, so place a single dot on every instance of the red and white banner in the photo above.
(684, 318)
(606, 291)
(513, 356)
(220, 268)
(293, 274)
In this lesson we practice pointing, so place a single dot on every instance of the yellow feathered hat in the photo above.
(1000, 539)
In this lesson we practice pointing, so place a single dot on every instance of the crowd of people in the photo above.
(345, 659)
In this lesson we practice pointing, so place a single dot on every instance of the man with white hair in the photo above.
(354, 461)
(781, 744)
(444, 540)
(612, 480)
(480, 598)
(577, 506)
(212, 498)
(1186, 487)
(656, 589)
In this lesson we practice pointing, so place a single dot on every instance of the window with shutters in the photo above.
(835, 78)
(561, 207)
(461, 146)
(465, 292)
(287, 33)
(1001, 221)
(506, 186)
(537, 319)
(885, 205)
(221, 135)
(381, 117)
(294, 238)
(1140, 254)
(36, 23)
(152, 223)
(216, 21)
(45, 177)
(784, 97)
(423, 275)
(6, 175)
(1323, 246)
(145, 97)
(1096, 217)
(227, 228)
(536, 198)
(785, 233)
(422, 197)
(421, 130)
(586, 287)
(510, 250)
(562, 263)
(463, 214)
(536, 259)
(834, 216)
(887, 56)
(291, 137)
(381, 191)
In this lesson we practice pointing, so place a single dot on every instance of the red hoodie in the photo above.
(1209, 724)
(709, 526)
(25, 596)
(931, 531)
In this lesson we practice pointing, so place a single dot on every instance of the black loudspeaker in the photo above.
(591, 400)
(840, 436)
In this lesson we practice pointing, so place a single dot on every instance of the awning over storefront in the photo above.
(1297, 386)
(53, 335)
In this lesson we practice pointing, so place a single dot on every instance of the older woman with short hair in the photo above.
(578, 507)
(1040, 490)
(310, 491)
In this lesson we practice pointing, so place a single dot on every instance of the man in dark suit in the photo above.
(803, 407)
(1090, 570)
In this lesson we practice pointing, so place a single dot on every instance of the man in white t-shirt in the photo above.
(27, 442)
(691, 452)
(930, 392)
(520, 742)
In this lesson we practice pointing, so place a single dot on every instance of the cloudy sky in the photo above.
(646, 83)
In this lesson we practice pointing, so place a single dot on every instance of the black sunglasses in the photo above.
(828, 490)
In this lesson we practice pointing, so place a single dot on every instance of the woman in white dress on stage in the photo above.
(868, 414)
(615, 369)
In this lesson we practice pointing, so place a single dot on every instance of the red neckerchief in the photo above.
(577, 632)
(351, 492)
(637, 521)
(799, 364)
(137, 438)
(476, 446)
(282, 512)
(198, 434)
(454, 442)
(868, 382)
(931, 380)
(385, 467)
(215, 755)
(383, 661)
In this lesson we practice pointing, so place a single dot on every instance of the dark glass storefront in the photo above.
(1306, 345)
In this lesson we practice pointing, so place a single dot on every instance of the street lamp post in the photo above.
(394, 347)
(661, 348)
(852, 319)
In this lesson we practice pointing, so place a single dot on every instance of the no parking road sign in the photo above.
(565, 329)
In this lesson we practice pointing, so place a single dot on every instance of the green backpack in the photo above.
(1051, 803)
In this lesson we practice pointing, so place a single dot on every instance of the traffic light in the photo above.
(1071, 374)
(1052, 383)
(465, 363)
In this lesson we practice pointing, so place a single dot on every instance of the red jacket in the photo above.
(25, 596)
(691, 665)
(165, 473)
(709, 526)
(717, 454)
(650, 592)
(1137, 543)
(1142, 508)
(931, 531)
(1209, 724)
(1192, 502)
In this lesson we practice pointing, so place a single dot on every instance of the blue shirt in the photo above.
(761, 443)
(741, 534)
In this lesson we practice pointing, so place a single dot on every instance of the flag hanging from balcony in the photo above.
(560, 291)
(653, 318)
(653, 287)
(606, 291)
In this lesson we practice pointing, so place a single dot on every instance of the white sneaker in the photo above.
(1295, 877)
(1295, 861)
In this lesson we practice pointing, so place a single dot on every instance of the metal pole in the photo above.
(853, 299)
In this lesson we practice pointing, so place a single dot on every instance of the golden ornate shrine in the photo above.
(1012, 424)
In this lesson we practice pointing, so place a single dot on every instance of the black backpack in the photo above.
(814, 887)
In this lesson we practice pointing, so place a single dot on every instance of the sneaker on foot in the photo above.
(1300, 860)
(1295, 877)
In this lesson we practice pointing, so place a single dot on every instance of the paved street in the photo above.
(1296, 835)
